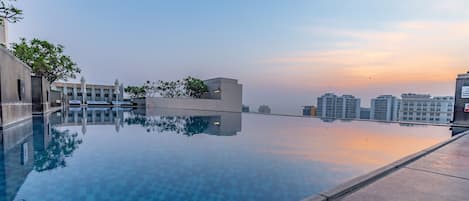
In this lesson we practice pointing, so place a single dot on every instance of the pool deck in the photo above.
(440, 172)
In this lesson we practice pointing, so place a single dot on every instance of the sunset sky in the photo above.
(285, 53)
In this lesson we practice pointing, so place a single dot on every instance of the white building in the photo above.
(333, 106)
(424, 108)
(91, 94)
(384, 108)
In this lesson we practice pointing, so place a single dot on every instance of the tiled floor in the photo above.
(441, 175)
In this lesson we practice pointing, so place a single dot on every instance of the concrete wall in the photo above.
(40, 92)
(461, 117)
(56, 98)
(224, 95)
(13, 107)
(3, 32)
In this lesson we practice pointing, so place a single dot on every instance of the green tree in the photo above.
(9, 12)
(135, 91)
(46, 59)
(194, 87)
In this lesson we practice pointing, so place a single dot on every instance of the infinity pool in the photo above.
(102, 154)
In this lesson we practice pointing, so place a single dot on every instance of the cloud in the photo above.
(405, 53)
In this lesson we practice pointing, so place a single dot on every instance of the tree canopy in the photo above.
(9, 12)
(46, 59)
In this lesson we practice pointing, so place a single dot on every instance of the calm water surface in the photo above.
(101, 154)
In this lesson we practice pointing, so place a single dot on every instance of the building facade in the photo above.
(309, 110)
(424, 108)
(91, 94)
(365, 113)
(333, 106)
(384, 108)
(461, 112)
(15, 90)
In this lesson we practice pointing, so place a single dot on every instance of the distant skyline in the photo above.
(285, 53)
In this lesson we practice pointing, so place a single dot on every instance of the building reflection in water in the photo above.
(16, 158)
(34, 144)
(41, 143)
(93, 116)
(186, 122)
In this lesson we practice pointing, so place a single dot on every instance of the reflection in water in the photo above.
(61, 146)
(181, 125)
(32, 145)
(52, 146)
(275, 158)
(16, 158)
(186, 122)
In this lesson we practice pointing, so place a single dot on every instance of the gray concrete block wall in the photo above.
(224, 95)
(40, 92)
(12, 108)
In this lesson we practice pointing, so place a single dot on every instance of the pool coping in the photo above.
(359, 182)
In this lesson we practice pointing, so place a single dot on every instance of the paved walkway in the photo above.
(440, 175)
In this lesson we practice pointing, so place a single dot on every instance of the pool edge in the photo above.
(361, 181)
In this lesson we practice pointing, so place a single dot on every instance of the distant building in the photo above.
(424, 108)
(326, 105)
(309, 111)
(384, 108)
(333, 106)
(95, 94)
(365, 113)
(264, 109)
(245, 108)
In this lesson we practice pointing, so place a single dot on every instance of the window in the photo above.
(19, 88)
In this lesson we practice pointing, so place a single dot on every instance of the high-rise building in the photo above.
(326, 105)
(333, 106)
(384, 108)
(264, 109)
(424, 108)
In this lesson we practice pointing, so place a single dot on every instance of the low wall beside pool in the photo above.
(224, 95)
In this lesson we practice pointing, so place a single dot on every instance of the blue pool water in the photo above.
(102, 154)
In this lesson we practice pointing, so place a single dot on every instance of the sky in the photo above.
(286, 53)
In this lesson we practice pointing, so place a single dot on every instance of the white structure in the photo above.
(333, 106)
(90, 94)
(424, 108)
(384, 108)
(326, 105)
(224, 95)
(3, 32)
